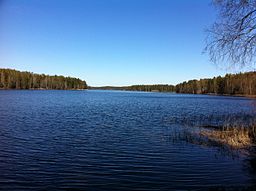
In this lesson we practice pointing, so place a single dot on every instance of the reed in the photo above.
(237, 137)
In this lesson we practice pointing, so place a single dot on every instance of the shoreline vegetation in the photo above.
(235, 137)
(241, 84)
(13, 79)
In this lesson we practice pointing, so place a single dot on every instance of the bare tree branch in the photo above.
(232, 38)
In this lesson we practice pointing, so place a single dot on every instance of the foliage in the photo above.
(154, 88)
(230, 84)
(13, 79)
(148, 88)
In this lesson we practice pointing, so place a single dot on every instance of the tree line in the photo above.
(230, 84)
(147, 88)
(154, 88)
(13, 79)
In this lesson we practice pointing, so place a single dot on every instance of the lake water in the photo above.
(113, 140)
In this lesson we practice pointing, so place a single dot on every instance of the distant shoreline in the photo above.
(235, 85)
(238, 95)
(40, 89)
(210, 94)
(238, 85)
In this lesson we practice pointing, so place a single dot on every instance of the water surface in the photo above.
(113, 140)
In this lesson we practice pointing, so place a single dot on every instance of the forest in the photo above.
(154, 88)
(230, 84)
(147, 88)
(13, 79)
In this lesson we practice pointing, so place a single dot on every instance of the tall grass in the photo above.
(232, 135)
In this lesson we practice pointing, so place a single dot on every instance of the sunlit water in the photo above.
(112, 140)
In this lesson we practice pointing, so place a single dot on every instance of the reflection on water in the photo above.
(106, 140)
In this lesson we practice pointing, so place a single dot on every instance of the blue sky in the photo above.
(108, 42)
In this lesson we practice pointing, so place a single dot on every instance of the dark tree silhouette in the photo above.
(232, 38)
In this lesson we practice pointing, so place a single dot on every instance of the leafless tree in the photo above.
(232, 38)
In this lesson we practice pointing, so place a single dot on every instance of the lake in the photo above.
(114, 140)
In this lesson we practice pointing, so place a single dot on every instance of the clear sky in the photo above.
(108, 42)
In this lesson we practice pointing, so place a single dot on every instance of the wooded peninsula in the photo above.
(13, 79)
(231, 84)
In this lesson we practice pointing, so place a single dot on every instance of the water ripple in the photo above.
(103, 140)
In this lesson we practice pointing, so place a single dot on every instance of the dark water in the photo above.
(106, 140)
